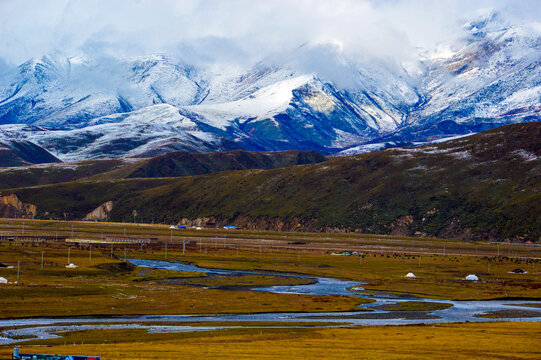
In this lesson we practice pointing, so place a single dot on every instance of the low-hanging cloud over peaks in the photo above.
(242, 31)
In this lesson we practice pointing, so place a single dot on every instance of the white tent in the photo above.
(71, 266)
(172, 227)
(410, 275)
(3, 280)
(472, 277)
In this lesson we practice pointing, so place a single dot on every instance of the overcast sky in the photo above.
(238, 30)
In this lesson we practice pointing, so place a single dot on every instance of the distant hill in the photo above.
(44, 174)
(168, 165)
(22, 152)
(183, 163)
(484, 186)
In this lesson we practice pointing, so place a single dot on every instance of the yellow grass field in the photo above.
(498, 340)
(105, 285)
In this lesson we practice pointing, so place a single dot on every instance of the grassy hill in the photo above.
(168, 165)
(485, 186)
(22, 152)
(183, 163)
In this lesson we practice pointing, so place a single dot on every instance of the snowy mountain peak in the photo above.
(314, 97)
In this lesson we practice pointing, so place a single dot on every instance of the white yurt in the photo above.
(410, 275)
(3, 280)
(71, 266)
(472, 277)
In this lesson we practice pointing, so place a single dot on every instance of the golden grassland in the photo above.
(415, 306)
(87, 290)
(102, 285)
(267, 239)
(494, 340)
(437, 276)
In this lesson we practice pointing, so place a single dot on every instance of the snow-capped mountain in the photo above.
(67, 93)
(312, 98)
(495, 79)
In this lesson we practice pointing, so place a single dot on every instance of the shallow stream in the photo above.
(460, 311)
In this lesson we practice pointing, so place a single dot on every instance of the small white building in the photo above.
(472, 277)
(3, 280)
(410, 275)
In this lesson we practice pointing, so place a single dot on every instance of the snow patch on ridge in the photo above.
(262, 104)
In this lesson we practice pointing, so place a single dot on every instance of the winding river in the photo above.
(460, 311)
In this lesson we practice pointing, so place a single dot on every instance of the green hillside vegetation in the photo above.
(183, 163)
(173, 164)
(56, 173)
(485, 186)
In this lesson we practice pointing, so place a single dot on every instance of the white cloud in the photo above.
(236, 30)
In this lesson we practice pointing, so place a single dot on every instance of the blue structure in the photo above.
(17, 356)
(181, 227)
(230, 227)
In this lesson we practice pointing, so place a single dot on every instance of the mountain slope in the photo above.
(169, 165)
(22, 152)
(188, 164)
(315, 97)
(493, 81)
(484, 186)
(66, 92)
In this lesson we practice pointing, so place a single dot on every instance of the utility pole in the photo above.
(90, 253)
(42, 259)
(125, 257)
(498, 250)
(200, 245)
(72, 230)
(69, 255)
(111, 250)
(18, 270)
(165, 251)
(183, 246)
(124, 231)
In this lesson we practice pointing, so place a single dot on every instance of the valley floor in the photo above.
(104, 284)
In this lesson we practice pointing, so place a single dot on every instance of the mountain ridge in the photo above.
(479, 187)
(313, 98)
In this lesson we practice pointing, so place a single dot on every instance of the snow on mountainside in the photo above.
(147, 132)
(259, 105)
(494, 80)
(313, 98)
(67, 93)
